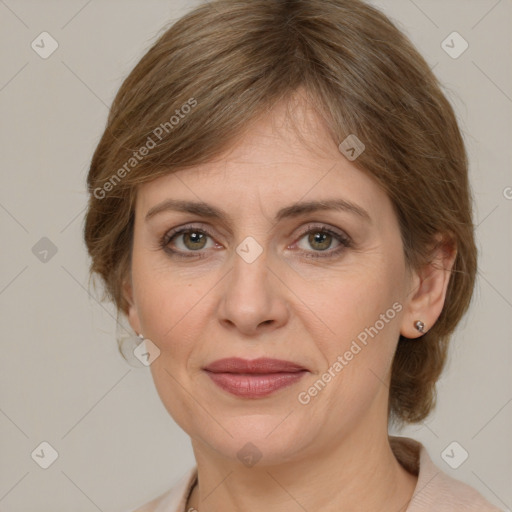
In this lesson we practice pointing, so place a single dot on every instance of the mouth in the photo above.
(254, 378)
(263, 365)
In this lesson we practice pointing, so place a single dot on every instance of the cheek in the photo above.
(166, 310)
(347, 303)
(171, 312)
(356, 321)
(174, 311)
(356, 351)
(161, 295)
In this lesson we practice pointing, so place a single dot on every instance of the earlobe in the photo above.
(427, 297)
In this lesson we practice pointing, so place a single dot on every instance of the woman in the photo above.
(280, 205)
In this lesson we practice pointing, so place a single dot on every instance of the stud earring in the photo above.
(420, 326)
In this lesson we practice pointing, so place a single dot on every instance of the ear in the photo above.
(428, 287)
(132, 314)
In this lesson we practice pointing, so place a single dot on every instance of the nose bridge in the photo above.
(249, 280)
(251, 296)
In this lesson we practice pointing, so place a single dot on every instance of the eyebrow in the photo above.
(294, 210)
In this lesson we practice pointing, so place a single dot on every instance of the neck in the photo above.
(360, 473)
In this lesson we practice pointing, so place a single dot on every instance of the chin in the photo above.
(261, 439)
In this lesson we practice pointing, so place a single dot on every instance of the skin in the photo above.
(333, 453)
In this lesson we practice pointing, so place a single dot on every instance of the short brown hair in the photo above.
(228, 61)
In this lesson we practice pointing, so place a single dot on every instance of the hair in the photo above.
(225, 63)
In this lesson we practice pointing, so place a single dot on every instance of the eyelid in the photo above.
(321, 226)
(186, 227)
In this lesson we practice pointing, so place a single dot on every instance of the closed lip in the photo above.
(263, 365)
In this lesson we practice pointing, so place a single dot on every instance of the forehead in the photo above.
(283, 157)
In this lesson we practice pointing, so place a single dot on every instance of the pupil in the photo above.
(195, 237)
(320, 237)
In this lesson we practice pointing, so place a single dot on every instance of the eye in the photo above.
(190, 241)
(187, 239)
(320, 238)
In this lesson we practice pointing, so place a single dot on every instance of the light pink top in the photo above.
(435, 490)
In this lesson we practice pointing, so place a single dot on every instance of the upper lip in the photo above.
(261, 365)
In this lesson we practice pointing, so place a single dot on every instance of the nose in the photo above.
(254, 297)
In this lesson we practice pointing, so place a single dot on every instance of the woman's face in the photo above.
(263, 281)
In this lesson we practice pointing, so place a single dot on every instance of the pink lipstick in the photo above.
(255, 378)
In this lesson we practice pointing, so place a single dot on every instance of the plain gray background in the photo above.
(62, 378)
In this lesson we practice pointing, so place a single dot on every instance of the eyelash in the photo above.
(345, 241)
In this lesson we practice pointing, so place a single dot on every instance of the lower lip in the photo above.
(254, 385)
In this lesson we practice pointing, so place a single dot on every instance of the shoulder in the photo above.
(173, 500)
(436, 490)
(150, 506)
